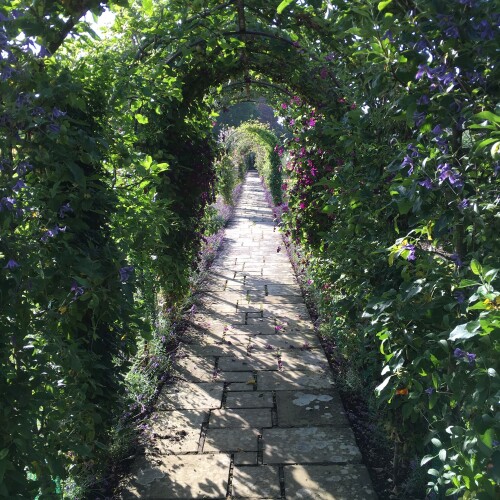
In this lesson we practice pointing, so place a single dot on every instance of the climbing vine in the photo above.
(389, 182)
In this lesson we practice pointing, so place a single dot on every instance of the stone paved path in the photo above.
(254, 412)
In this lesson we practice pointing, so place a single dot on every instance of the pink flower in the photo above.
(283, 105)
(302, 205)
(312, 122)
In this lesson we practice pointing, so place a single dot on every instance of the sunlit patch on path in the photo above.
(253, 412)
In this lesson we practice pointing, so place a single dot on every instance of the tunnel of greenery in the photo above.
(387, 180)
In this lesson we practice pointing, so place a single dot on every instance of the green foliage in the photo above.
(107, 167)
(226, 179)
(254, 144)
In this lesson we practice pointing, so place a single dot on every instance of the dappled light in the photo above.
(162, 163)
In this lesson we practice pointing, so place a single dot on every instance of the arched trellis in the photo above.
(136, 126)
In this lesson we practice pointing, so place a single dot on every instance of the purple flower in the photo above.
(20, 184)
(419, 118)
(457, 260)
(311, 122)
(24, 167)
(447, 173)
(323, 73)
(125, 273)
(452, 32)
(484, 30)
(458, 353)
(471, 358)
(55, 128)
(429, 391)
(437, 130)
(7, 202)
(459, 297)
(388, 35)
(77, 290)
(65, 209)
(463, 204)
(411, 255)
(11, 264)
(57, 113)
(423, 69)
(43, 52)
(423, 100)
(51, 233)
(426, 183)
(408, 162)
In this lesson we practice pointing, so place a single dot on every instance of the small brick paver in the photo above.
(253, 411)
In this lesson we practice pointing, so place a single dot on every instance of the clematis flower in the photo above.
(411, 256)
(423, 70)
(426, 183)
(458, 353)
(76, 289)
(419, 118)
(125, 273)
(11, 264)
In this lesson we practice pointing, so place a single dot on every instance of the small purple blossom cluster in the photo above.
(466, 356)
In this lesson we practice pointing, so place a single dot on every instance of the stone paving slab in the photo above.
(176, 441)
(310, 445)
(231, 440)
(256, 482)
(187, 396)
(176, 476)
(245, 458)
(304, 360)
(287, 380)
(255, 418)
(162, 422)
(194, 369)
(328, 482)
(260, 361)
(254, 399)
(310, 408)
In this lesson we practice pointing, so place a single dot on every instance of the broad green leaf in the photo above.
(283, 5)
(476, 267)
(382, 5)
(488, 115)
(141, 119)
(147, 6)
(464, 331)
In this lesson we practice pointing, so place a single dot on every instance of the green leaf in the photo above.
(442, 455)
(464, 331)
(382, 5)
(383, 385)
(283, 5)
(141, 119)
(147, 6)
(436, 442)
(4, 453)
(476, 268)
(426, 459)
(488, 115)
